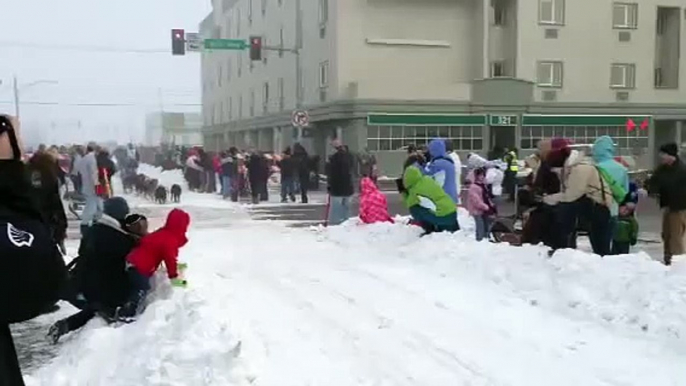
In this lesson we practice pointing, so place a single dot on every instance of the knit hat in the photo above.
(117, 208)
(670, 149)
(559, 144)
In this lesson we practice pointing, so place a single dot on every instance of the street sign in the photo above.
(194, 42)
(225, 44)
(300, 118)
(503, 120)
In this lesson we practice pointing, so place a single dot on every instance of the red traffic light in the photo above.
(255, 48)
(178, 42)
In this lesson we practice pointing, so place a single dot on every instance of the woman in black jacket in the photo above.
(43, 170)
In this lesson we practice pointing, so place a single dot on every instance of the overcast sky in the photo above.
(62, 40)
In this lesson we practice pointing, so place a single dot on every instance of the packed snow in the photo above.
(377, 305)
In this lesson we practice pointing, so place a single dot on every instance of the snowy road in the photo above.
(376, 305)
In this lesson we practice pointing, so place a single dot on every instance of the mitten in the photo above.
(182, 266)
(179, 283)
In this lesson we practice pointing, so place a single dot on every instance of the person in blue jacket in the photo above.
(613, 172)
(441, 168)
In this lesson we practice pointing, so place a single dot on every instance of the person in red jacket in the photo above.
(160, 246)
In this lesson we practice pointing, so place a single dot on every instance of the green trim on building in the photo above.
(583, 120)
(381, 119)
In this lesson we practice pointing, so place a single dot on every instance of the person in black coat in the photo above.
(302, 169)
(99, 276)
(339, 172)
(258, 174)
(43, 171)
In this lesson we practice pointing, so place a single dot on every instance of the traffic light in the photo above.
(178, 42)
(255, 48)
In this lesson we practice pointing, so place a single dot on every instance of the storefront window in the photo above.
(625, 140)
(383, 138)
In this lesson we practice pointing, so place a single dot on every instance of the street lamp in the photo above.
(18, 88)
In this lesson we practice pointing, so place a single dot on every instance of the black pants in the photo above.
(304, 185)
(10, 371)
(594, 217)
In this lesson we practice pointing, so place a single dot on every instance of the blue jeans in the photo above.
(287, 188)
(483, 227)
(339, 210)
(92, 210)
(226, 186)
(140, 286)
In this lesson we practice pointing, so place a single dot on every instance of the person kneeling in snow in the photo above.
(373, 204)
(430, 206)
(144, 260)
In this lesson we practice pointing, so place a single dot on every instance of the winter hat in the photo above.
(670, 149)
(559, 151)
(117, 208)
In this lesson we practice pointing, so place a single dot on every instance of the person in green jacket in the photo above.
(428, 204)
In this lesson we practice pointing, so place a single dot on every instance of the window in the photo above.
(252, 103)
(238, 23)
(625, 15)
(324, 74)
(280, 3)
(323, 11)
(250, 12)
(281, 42)
(228, 70)
(551, 12)
(627, 142)
(264, 7)
(264, 52)
(240, 106)
(230, 109)
(240, 64)
(549, 74)
(281, 91)
(499, 13)
(497, 68)
(623, 75)
(220, 75)
(265, 97)
(385, 138)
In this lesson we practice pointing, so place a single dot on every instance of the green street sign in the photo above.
(503, 120)
(225, 44)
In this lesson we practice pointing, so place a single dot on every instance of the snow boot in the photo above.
(57, 330)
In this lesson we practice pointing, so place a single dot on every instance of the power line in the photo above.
(39, 103)
(84, 48)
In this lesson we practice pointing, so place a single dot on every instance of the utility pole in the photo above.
(15, 86)
(298, 62)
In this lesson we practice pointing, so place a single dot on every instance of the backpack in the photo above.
(618, 191)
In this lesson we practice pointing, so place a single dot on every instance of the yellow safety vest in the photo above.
(514, 163)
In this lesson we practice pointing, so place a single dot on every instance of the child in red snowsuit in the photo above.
(373, 203)
(160, 246)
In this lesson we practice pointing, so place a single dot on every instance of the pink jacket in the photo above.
(373, 204)
(476, 205)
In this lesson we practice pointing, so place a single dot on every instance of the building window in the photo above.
(384, 138)
(625, 16)
(252, 103)
(551, 12)
(623, 75)
(264, 7)
(549, 74)
(323, 17)
(265, 97)
(230, 109)
(264, 52)
(324, 74)
(499, 8)
(238, 23)
(240, 64)
(280, 3)
(627, 141)
(228, 70)
(497, 68)
(250, 12)
(240, 107)
(281, 91)
(281, 42)
(220, 75)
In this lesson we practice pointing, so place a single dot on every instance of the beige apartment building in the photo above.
(383, 74)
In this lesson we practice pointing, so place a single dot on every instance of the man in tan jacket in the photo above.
(585, 198)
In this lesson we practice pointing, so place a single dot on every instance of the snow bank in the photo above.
(183, 338)
(632, 293)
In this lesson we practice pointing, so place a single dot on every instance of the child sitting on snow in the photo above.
(373, 204)
(144, 260)
(626, 231)
(429, 205)
(480, 204)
